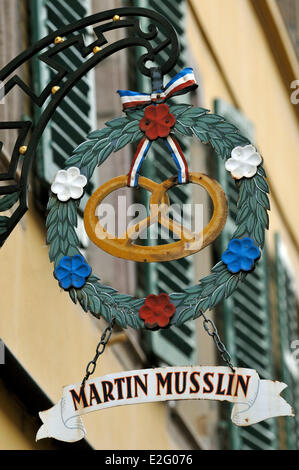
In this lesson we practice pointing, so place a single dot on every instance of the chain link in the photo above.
(91, 366)
(208, 324)
(211, 329)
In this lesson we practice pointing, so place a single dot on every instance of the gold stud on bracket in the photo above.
(116, 18)
(96, 49)
(23, 149)
(55, 89)
(58, 40)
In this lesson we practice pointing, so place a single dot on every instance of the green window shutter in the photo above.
(246, 320)
(289, 334)
(174, 346)
(75, 116)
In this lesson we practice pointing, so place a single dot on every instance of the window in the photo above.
(289, 340)
(246, 313)
(75, 117)
(174, 346)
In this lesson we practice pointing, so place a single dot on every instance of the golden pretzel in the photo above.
(189, 242)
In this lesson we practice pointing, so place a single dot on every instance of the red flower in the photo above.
(157, 121)
(157, 310)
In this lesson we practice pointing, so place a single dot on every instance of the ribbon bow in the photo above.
(181, 83)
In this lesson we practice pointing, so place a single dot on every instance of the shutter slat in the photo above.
(61, 8)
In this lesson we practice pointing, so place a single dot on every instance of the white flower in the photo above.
(68, 184)
(243, 162)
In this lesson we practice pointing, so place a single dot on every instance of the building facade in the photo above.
(246, 67)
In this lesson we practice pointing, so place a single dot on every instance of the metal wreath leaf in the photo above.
(251, 220)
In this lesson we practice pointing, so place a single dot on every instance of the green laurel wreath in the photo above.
(252, 217)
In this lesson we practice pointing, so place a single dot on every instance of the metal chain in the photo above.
(91, 366)
(211, 329)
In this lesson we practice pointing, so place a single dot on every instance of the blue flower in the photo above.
(72, 271)
(241, 255)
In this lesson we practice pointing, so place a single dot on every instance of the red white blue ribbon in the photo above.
(142, 149)
(179, 158)
(140, 154)
(181, 83)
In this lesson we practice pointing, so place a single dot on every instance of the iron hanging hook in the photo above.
(157, 79)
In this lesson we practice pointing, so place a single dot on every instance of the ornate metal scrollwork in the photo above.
(14, 190)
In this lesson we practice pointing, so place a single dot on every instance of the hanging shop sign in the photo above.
(254, 399)
(148, 118)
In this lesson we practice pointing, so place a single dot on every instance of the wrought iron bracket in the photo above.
(159, 37)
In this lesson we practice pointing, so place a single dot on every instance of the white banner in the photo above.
(254, 399)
